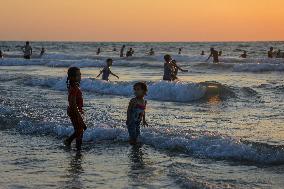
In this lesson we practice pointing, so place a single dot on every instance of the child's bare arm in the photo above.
(144, 120)
(130, 107)
(209, 57)
(114, 74)
(100, 73)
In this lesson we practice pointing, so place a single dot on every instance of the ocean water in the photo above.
(219, 126)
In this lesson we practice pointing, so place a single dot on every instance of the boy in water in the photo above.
(42, 52)
(244, 55)
(176, 68)
(106, 71)
(151, 53)
(136, 112)
(122, 51)
(168, 68)
(28, 51)
(270, 53)
(278, 54)
(75, 108)
(1, 54)
(179, 51)
(130, 52)
(202, 53)
(214, 54)
(98, 51)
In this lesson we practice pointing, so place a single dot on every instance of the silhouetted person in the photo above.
(168, 68)
(179, 51)
(130, 52)
(28, 51)
(42, 51)
(214, 54)
(278, 54)
(151, 53)
(202, 53)
(270, 53)
(98, 51)
(1, 54)
(244, 55)
(122, 51)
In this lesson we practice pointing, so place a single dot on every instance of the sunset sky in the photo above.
(142, 20)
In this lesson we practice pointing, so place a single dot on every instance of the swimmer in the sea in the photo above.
(278, 54)
(151, 53)
(202, 53)
(42, 51)
(98, 51)
(106, 70)
(244, 55)
(179, 51)
(270, 53)
(130, 52)
(28, 51)
(122, 51)
(168, 68)
(214, 54)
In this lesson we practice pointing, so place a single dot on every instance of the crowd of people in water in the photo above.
(137, 105)
(28, 52)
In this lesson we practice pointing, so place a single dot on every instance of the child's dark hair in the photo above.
(142, 85)
(109, 60)
(72, 73)
(167, 57)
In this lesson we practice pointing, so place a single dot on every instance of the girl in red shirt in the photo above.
(75, 108)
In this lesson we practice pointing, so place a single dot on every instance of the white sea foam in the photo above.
(160, 90)
(258, 67)
(205, 145)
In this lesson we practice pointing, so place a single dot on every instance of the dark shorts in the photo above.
(167, 79)
(134, 130)
(27, 57)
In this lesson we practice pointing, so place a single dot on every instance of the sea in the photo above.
(218, 126)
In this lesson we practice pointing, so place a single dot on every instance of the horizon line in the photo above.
(93, 41)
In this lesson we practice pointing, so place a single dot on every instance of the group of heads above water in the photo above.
(28, 52)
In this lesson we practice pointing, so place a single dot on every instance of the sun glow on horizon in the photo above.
(142, 20)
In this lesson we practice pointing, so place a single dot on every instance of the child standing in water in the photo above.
(106, 71)
(136, 112)
(75, 108)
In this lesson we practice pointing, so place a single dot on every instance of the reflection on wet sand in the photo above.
(141, 172)
(74, 171)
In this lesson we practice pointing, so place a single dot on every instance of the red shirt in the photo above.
(75, 91)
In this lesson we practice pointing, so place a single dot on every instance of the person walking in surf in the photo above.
(106, 70)
(214, 54)
(168, 68)
(75, 107)
(122, 51)
(28, 51)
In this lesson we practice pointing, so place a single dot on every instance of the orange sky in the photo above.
(142, 20)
